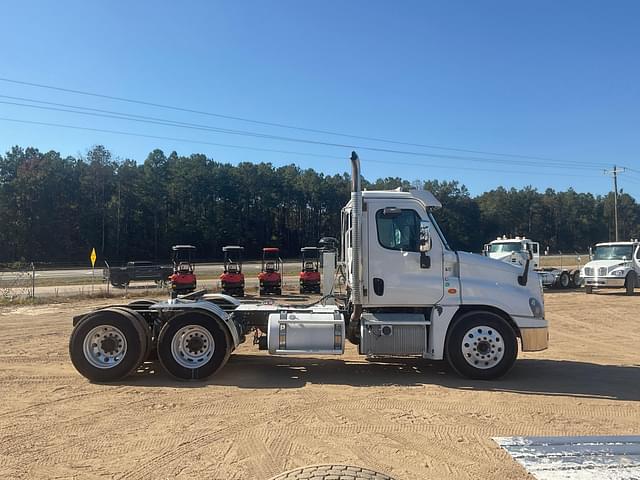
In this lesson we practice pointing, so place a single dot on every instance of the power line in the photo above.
(288, 152)
(171, 123)
(274, 124)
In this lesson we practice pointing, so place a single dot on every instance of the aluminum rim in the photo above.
(482, 347)
(192, 346)
(105, 346)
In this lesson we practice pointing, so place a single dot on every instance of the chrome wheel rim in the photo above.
(192, 346)
(105, 346)
(482, 347)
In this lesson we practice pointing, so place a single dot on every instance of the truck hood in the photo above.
(606, 263)
(487, 280)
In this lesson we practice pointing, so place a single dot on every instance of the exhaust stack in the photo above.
(356, 248)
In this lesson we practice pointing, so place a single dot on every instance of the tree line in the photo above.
(55, 209)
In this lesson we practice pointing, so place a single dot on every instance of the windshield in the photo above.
(613, 252)
(504, 247)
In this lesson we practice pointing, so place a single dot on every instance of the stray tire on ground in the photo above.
(322, 472)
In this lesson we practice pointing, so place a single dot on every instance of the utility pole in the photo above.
(614, 173)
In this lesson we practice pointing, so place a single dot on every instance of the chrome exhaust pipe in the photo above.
(356, 249)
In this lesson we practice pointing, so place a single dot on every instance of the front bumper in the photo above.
(534, 339)
(534, 333)
(604, 282)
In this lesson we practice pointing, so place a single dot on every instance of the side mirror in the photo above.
(485, 250)
(425, 237)
(590, 253)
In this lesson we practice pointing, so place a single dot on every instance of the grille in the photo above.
(588, 271)
(602, 271)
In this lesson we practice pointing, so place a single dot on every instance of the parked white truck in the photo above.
(517, 250)
(613, 265)
(408, 294)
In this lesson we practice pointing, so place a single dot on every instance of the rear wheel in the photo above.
(563, 280)
(576, 281)
(193, 346)
(107, 345)
(630, 283)
(481, 345)
(278, 291)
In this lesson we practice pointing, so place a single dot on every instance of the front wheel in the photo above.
(193, 346)
(481, 345)
(630, 283)
(588, 289)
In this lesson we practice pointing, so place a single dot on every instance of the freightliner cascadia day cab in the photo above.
(408, 294)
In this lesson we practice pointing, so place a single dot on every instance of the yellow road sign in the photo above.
(93, 257)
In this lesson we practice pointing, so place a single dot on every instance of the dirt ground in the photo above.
(261, 415)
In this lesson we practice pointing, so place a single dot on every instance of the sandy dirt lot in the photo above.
(261, 415)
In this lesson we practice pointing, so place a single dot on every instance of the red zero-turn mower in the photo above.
(269, 277)
(309, 273)
(232, 279)
(183, 279)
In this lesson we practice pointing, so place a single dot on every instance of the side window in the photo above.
(638, 254)
(399, 231)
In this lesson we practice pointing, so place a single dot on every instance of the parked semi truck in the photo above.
(613, 265)
(517, 250)
(408, 295)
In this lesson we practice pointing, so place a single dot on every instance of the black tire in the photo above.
(208, 365)
(144, 326)
(278, 291)
(302, 290)
(575, 278)
(461, 336)
(630, 283)
(143, 302)
(564, 280)
(322, 472)
(262, 292)
(134, 335)
(588, 289)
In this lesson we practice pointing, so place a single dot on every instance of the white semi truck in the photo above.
(408, 294)
(517, 250)
(613, 265)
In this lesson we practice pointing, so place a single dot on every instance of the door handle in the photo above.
(378, 286)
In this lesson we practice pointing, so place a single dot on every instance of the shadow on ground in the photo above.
(529, 377)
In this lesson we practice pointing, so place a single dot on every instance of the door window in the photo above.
(399, 231)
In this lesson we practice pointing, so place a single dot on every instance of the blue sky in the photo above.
(558, 80)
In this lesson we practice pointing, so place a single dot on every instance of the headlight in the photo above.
(618, 273)
(536, 307)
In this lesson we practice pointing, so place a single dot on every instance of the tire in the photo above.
(136, 317)
(588, 289)
(302, 290)
(630, 283)
(262, 292)
(99, 362)
(576, 281)
(143, 302)
(176, 349)
(564, 281)
(475, 333)
(322, 472)
(278, 291)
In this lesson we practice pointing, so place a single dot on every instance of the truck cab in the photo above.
(418, 296)
(514, 250)
(613, 265)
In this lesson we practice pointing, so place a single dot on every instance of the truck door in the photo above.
(395, 276)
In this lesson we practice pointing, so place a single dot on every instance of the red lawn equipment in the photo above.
(183, 279)
(309, 272)
(269, 277)
(232, 279)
